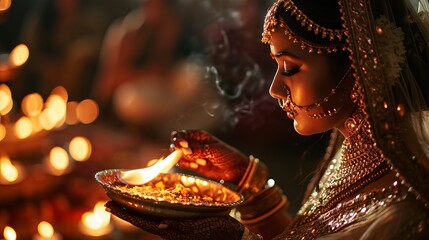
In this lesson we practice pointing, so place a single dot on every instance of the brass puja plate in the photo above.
(172, 195)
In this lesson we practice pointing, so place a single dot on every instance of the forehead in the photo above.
(280, 42)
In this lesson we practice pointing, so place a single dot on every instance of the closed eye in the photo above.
(289, 73)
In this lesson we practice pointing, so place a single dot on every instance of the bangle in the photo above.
(280, 206)
(254, 178)
(260, 203)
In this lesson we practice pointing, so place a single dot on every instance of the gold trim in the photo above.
(381, 114)
(254, 179)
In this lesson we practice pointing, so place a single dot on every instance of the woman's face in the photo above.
(309, 78)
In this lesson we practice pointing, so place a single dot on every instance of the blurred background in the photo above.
(89, 85)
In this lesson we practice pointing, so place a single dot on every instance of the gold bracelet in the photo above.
(254, 178)
(260, 203)
(246, 173)
(280, 206)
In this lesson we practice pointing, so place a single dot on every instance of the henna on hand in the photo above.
(210, 156)
(188, 229)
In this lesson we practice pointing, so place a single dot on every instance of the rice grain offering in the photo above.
(171, 195)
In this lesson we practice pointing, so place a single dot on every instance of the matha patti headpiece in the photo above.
(272, 21)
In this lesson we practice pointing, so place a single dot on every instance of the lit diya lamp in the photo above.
(156, 192)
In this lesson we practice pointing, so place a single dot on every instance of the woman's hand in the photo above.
(209, 156)
(198, 229)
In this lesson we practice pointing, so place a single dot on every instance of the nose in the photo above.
(277, 87)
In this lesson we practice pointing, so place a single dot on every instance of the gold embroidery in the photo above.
(357, 209)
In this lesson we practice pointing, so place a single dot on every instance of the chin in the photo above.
(308, 129)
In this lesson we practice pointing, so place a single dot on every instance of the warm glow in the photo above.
(87, 111)
(32, 104)
(71, 117)
(19, 55)
(47, 119)
(35, 122)
(144, 175)
(5, 5)
(80, 148)
(58, 106)
(5, 96)
(2, 132)
(23, 127)
(98, 219)
(7, 109)
(61, 92)
(8, 170)
(9, 233)
(45, 230)
(59, 159)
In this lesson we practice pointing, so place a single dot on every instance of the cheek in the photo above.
(311, 88)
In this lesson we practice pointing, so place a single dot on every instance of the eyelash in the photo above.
(289, 73)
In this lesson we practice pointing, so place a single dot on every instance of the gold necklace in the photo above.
(361, 163)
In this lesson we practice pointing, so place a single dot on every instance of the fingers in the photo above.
(194, 164)
(193, 137)
(147, 223)
(186, 229)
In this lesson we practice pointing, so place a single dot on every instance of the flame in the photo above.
(80, 148)
(9, 233)
(144, 175)
(45, 230)
(7, 169)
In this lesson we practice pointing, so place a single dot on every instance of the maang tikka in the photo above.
(335, 36)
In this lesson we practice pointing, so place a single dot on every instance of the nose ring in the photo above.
(291, 112)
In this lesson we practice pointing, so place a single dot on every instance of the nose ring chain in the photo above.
(289, 106)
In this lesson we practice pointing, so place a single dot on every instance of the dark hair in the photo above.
(326, 13)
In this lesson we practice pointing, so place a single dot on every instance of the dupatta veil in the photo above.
(389, 42)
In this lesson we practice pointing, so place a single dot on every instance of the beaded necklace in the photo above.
(361, 163)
